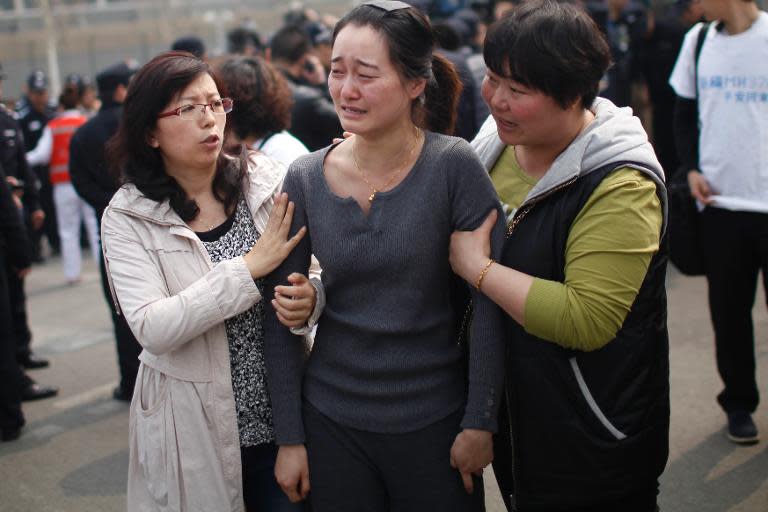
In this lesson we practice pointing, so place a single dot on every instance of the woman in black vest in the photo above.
(581, 277)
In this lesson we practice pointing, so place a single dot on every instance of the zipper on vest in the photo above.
(526, 208)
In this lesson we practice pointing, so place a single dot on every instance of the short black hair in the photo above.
(290, 44)
(241, 38)
(191, 44)
(553, 47)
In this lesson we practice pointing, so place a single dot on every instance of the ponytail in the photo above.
(441, 98)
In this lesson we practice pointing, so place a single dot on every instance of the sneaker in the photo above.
(741, 428)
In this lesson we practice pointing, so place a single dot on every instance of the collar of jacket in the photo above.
(263, 179)
(614, 136)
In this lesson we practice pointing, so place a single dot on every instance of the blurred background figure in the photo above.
(14, 252)
(191, 44)
(34, 111)
(313, 116)
(244, 41)
(24, 186)
(624, 24)
(263, 109)
(96, 186)
(71, 211)
(657, 59)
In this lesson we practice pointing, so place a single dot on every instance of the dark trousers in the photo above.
(128, 349)
(260, 489)
(736, 249)
(50, 226)
(356, 471)
(18, 304)
(10, 373)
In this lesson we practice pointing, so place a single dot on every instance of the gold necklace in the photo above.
(395, 174)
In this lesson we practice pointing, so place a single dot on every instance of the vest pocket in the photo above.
(584, 389)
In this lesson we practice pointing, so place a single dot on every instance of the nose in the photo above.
(207, 117)
(349, 87)
(499, 99)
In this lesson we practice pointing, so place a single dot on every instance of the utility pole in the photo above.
(50, 47)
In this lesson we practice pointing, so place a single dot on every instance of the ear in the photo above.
(416, 87)
(152, 140)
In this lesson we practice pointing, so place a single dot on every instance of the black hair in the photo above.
(152, 88)
(240, 39)
(411, 44)
(290, 44)
(553, 47)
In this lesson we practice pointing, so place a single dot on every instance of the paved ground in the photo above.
(72, 455)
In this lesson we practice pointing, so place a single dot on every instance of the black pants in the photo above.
(18, 305)
(736, 248)
(50, 226)
(261, 492)
(128, 349)
(10, 373)
(356, 471)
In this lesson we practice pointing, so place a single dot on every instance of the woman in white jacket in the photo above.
(187, 241)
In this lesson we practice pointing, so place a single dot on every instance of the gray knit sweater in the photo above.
(385, 357)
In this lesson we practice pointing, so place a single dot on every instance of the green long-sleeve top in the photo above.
(608, 250)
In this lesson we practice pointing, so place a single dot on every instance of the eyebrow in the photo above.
(359, 61)
(194, 98)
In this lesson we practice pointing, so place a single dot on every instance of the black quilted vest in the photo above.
(587, 427)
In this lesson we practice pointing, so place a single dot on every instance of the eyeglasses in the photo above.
(195, 111)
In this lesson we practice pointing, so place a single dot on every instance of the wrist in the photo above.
(487, 264)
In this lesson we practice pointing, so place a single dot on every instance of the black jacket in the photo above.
(313, 117)
(87, 168)
(13, 159)
(14, 244)
(590, 428)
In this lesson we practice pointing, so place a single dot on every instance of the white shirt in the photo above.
(733, 112)
(42, 152)
(282, 146)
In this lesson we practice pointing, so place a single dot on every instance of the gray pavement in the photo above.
(73, 455)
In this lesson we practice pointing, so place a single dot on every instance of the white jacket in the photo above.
(184, 440)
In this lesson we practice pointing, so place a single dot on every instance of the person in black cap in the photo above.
(24, 184)
(96, 186)
(34, 113)
(191, 44)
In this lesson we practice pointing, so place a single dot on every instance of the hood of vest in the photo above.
(614, 136)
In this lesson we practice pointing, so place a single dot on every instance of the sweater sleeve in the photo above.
(608, 252)
(284, 351)
(473, 197)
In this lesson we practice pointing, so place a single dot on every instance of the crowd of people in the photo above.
(351, 265)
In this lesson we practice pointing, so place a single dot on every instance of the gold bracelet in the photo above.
(485, 270)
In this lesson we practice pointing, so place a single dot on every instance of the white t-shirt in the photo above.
(733, 111)
(282, 146)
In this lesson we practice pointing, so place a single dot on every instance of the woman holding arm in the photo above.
(187, 243)
(581, 276)
(385, 417)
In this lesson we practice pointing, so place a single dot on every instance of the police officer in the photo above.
(24, 185)
(33, 114)
(94, 183)
(14, 251)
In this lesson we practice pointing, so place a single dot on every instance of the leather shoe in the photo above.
(33, 362)
(741, 428)
(36, 391)
(121, 394)
(10, 434)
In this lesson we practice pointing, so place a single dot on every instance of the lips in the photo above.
(353, 110)
(211, 139)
